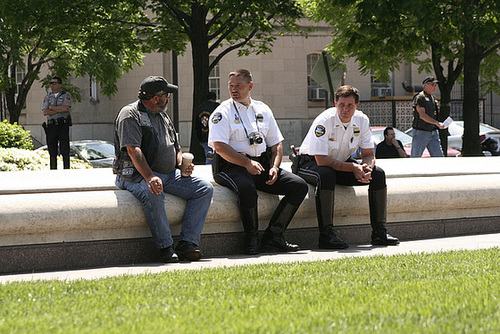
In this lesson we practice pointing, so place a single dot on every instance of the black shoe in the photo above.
(167, 254)
(382, 238)
(329, 240)
(187, 251)
(277, 243)
(252, 243)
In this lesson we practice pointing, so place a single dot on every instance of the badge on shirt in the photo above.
(356, 131)
(237, 120)
(217, 118)
(319, 131)
(331, 137)
(259, 118)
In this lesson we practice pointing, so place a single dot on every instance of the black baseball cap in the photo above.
(154, 84)
(429, 79)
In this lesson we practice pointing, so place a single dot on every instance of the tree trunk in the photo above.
(200, 56)
(444, 112)
(472, 61)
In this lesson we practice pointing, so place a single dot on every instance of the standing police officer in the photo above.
(248, 149)
(326, 150)
(56, 106)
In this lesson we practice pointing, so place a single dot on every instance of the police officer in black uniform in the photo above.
(56, 106)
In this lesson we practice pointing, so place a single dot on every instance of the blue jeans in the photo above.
(426, 139)
(207, 150)
(196, 191)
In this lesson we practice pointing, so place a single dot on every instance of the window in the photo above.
(381, 88)
(19, 75)
(314, 91)
(214, 79)
(93, 90)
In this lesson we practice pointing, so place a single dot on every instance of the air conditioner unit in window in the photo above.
(317, 93)
(381, 91)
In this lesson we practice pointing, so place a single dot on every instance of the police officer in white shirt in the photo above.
(326, 161)
(247, 143)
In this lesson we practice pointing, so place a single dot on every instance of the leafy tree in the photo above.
(78, 37)
(458, 34)
(219, 27)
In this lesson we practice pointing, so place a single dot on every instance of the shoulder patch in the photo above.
(319, 131)
(217, 118)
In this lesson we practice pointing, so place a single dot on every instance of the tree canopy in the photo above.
(218, 27)
(79, 37)
(383, 34)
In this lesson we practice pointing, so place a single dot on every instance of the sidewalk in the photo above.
(406, 247)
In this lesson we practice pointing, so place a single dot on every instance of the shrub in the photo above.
(13, 135)
(15, 159)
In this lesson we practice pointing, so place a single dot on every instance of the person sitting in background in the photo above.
(390, 147)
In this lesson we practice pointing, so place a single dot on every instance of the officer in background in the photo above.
(248, 149)
(325, 161)
(56, 106)
(147, 157)
(201, 126)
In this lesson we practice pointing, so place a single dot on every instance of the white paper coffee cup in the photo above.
(187, 159)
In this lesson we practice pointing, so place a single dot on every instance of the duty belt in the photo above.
(58, 121)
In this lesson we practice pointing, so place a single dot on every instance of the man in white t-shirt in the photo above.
(326, 161)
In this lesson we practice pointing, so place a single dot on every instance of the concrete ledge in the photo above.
(53, 217)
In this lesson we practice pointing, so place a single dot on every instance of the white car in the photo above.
(456, 130)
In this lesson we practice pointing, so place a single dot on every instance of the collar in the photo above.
(240, 105)
(338, 123)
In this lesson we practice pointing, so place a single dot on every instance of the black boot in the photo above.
(378, 217)
(249, 218)
(273, 239)
(324, 211)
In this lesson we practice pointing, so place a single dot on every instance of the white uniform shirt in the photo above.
(328, 136)
(228, 124)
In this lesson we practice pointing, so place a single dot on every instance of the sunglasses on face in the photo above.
(164, 94)
(54, 83)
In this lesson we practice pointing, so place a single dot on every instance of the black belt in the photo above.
(58, 121)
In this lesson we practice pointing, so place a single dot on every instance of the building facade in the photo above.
(281, 79)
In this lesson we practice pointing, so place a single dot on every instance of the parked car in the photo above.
(456, 130)
(406, 139)
(98, 153)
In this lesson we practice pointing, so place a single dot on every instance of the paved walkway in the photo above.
(417, 246)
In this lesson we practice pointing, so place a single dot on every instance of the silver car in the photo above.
(98, 153)
(456, 130)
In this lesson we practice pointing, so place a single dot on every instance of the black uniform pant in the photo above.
(326, 178)
(58, 142)
(245, 185)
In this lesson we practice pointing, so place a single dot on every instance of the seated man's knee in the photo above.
(378, 178)
(327, 178)
(248, 196)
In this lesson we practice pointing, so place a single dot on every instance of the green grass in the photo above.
(451, 292)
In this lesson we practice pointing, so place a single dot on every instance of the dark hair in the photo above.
(59, 80)
(346, 91)
(386, 130)
(242, 73)
(211, 96)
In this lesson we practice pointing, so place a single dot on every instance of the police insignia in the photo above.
(319, 131)
(217, 117)
(356, 132)
(259, 118)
